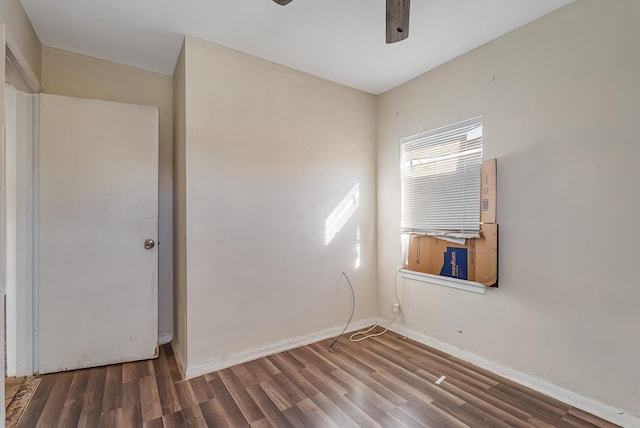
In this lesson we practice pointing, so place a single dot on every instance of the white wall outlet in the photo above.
(395, 308)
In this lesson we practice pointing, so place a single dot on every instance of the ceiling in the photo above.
(339, 40)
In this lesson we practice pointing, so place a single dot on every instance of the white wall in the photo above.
(270, 153)
(560, 102)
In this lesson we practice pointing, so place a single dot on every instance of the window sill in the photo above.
(474, 287)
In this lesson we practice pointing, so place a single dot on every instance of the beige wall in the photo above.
(560, 105)
(66, 73)
(179, 212)
(270, 153)
(19, 29)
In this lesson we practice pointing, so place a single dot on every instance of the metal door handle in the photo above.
(149, 244)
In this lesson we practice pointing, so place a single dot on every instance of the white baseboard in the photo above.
(223, 362)
(589, 405)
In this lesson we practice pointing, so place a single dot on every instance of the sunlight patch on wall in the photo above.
(341, 214)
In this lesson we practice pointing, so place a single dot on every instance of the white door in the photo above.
(98, 204)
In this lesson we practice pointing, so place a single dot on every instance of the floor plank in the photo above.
(72, 407)
(55, 404)
(387, 381)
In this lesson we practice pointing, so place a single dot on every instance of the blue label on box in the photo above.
(455, 263)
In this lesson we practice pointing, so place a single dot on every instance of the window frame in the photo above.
(469, 286)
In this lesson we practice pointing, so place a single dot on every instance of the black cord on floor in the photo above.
(353, 309)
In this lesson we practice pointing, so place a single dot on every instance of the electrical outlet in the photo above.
(395, 308)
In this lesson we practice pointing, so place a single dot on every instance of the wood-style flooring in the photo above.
(387, 381)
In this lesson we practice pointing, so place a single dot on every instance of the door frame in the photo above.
(29, 80)
(22, 319)
(20, 224)
(3, 240)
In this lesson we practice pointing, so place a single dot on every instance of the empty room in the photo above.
(320, 213)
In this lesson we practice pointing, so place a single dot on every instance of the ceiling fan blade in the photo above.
(282, 2)
(397, 20)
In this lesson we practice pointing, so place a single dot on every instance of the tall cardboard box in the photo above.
(475, 260)
(488, 181)
(487, 255)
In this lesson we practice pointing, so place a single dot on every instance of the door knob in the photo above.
(149, 244)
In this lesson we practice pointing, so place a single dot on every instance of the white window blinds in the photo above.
(441, 180)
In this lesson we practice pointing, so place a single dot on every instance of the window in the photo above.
(441, 180)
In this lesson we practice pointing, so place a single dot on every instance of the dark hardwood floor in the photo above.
(387, 381)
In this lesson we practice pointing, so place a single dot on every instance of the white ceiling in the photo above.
(339, 40)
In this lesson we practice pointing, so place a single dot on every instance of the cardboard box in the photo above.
(475, 260)
(488, 176)
(487, 255)
(439, 257)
